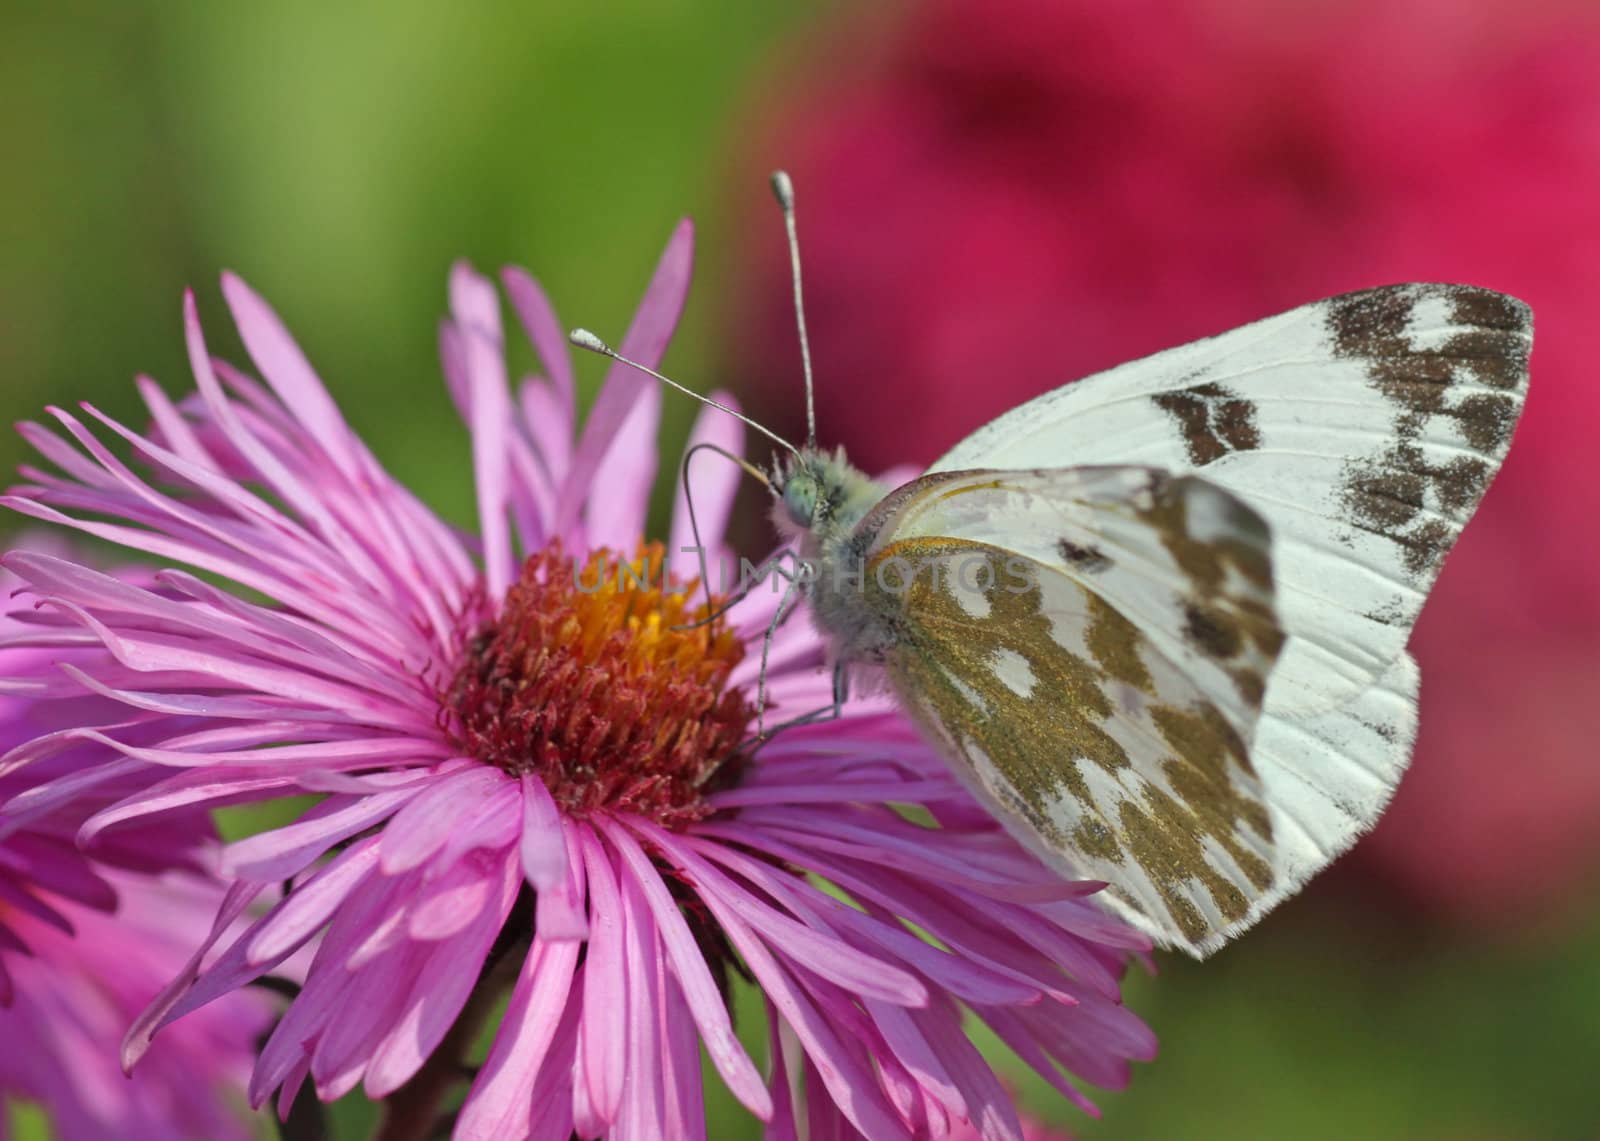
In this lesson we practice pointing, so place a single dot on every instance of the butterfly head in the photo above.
(820, 493)
(801, 494)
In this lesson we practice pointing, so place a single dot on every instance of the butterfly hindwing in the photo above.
(1183, 559)
(1090, 646)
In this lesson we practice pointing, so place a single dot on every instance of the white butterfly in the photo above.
(1184, 669)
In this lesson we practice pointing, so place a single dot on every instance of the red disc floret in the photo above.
(589, 680)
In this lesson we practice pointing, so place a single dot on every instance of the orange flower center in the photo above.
(588, 681)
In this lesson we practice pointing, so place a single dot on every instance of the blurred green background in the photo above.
(341, 156)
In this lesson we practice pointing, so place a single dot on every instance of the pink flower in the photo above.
(532, 772)
(85, 942)
(1001, 195)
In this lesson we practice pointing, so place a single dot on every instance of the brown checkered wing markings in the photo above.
(1090, 647)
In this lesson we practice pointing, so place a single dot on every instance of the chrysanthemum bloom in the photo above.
(535, 775)
(86, 942)
(1006, 194)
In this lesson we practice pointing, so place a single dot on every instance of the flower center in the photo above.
(584, 681)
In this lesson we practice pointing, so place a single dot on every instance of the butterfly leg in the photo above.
(841, 694)
(830, 712)
(784, 609)
(771, 565)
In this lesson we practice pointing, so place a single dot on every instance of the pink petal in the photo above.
(642, 1111)
(438, 995)
(680, 1055)
(291, 1087)
(454, 900)
(780, 1044)
(549, 339)
(312, 903)
(645, 342)
(356, 1014)
(544, 846)
(614, 515)
(549, 426)
(1015, 1035)
(961, 976)
(285, 367)
(819, 951)
(429, 821)
(713, 481)
(286, 483)
(316, 1022)
(473, 303)
(143, 1030)
(559, 911)
(490, 407)
(988, 1106)
(495, 824)
(500, 1099)
(553, 1099)
(175, 431)
(185, 789)
(286, 852)
(699, 988)
(49, 862)
(602, 1056)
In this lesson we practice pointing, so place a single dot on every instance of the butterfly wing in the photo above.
(1091, 647)
(1364, 429)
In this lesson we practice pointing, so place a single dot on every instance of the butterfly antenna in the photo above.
(712, 613)
(783, 191)
(584, 339)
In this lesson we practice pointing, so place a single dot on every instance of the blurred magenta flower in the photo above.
(483, 721)
(826, 1121)
(1032, 1130)
(86, 938)
(1001, 195)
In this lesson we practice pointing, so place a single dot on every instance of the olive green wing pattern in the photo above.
(1090, 647)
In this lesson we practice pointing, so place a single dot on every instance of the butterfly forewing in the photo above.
(1327, 774)
(1364, 428)
(1096, 661)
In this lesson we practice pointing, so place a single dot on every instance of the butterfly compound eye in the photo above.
(800, 499)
